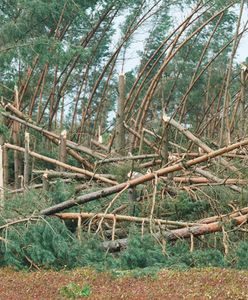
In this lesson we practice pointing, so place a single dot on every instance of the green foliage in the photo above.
(141, 253)
(122, 171)
(208, 258)
(186, 208)
(73, 291)
(4, 131)
(28, 203)
(242, 255)
(61, 192)
(48, 243)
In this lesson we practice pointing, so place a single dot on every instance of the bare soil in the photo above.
(193, 284)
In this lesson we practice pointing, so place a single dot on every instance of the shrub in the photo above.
(208, 258)
(48, 244)
(242, 256)
(141, 253)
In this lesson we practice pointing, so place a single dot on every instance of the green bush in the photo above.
(141, 253)
(185, 208)
(242, 256)
(48, 244)
(208, 258)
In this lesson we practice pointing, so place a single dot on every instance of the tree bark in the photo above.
(63, 165)
(148, 177)
(186, 232)
(26, 160)
(120, 129)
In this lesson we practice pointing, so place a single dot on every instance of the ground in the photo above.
(192, 284)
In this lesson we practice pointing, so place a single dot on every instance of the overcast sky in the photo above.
(132, 58)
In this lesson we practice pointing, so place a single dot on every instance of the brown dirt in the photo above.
(193, 284)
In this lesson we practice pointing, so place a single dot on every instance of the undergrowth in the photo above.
(51, 243)
(48, 243)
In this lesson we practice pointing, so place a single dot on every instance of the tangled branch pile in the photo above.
(162, 147)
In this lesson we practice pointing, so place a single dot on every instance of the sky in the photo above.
(132, 58)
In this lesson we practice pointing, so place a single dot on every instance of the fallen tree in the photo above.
(61, 164)
(22, 119)
(196, 140)
(140, 180)
(186, 232)
(85, 215)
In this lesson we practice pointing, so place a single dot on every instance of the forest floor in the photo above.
(167, 284)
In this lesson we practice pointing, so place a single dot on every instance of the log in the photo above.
(186, 232)
(140, 180)
(52, 174)
(61, 164)
(99, 145)
(192, 179)
(26, 160)
(75, 216)
(216, 179)
(125, 158)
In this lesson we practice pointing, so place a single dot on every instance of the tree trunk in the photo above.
(120, 129)
(148, 177)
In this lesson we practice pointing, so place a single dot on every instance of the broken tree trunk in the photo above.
(120, 129)
(5, 166)
(45, 182)
(63, 165)
(136, 134)
(54, 174)
(191, 179)
(148, 177)
(22, 119)
(125, 158)
(62, 148)
(26, 160)
(196, 140)
(15, 136)
(214, 178)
